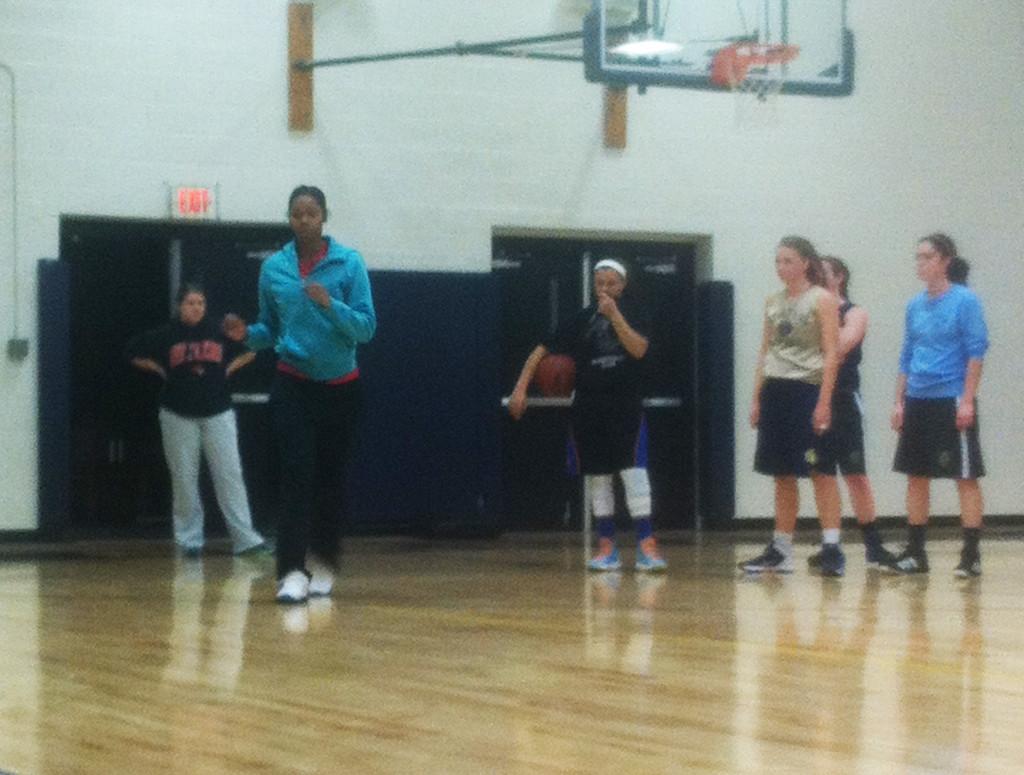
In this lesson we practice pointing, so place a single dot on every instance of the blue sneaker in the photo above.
(607, 559)
(833, 561)
(771, 560)
(647, 558)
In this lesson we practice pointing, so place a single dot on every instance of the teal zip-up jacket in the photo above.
(319, 342)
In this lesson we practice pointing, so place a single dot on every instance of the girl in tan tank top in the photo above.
(792, 403)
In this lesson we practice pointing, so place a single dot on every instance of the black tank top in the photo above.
(848, 377)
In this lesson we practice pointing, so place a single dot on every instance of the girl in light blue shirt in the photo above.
(944, 343)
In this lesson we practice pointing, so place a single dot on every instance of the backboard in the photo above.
(686, 40)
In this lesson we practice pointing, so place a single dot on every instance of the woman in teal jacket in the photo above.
(315, 309)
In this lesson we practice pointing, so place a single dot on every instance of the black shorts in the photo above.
(842, 446)
(931, 446)
(608, 433)
(786, 442)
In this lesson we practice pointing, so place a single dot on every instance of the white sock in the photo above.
(783, 542)
(830, 535)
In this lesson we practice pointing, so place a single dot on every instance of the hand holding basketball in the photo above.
(517, 404)
(234, 327)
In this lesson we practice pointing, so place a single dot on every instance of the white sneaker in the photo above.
(293, 588)
(322, 582)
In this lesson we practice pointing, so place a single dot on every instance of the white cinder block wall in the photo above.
(421, 159)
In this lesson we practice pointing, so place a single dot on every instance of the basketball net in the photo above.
(755, 73)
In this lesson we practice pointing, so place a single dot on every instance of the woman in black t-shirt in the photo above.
(606, 341)
(195, 359)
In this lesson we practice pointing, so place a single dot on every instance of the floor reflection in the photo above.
(208, 621)
(21, 677)
(460, 658)
(942, 681)
(311, 616)
(887, 664)
(801, 670)
(619, 623)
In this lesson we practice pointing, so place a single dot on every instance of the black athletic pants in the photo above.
(315, 428)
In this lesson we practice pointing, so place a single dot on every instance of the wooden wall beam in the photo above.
(615, 101)
(300, 82)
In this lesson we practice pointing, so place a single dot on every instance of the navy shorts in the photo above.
(608, 433)
(786, 442)
(931, 446)
(842, 446)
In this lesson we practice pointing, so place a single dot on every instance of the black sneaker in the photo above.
(970, 565)
(771, 560)
(877, 556)
(909, 562)
(833, 561)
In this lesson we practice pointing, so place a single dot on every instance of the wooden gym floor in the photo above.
(504, 656)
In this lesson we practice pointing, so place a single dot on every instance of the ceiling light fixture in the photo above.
(646, 47)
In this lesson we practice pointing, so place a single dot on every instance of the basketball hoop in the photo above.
(755, 73)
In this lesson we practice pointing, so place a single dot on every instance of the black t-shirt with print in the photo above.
(194, 359)
(603, 367)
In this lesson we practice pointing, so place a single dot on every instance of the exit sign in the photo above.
(193, 202)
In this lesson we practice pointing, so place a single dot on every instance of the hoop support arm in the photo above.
(487, 48)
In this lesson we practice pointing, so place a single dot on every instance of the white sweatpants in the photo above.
(216, 437)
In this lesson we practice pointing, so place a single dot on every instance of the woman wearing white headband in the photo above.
(606, 341)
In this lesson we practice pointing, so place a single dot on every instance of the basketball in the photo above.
(555, 375)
